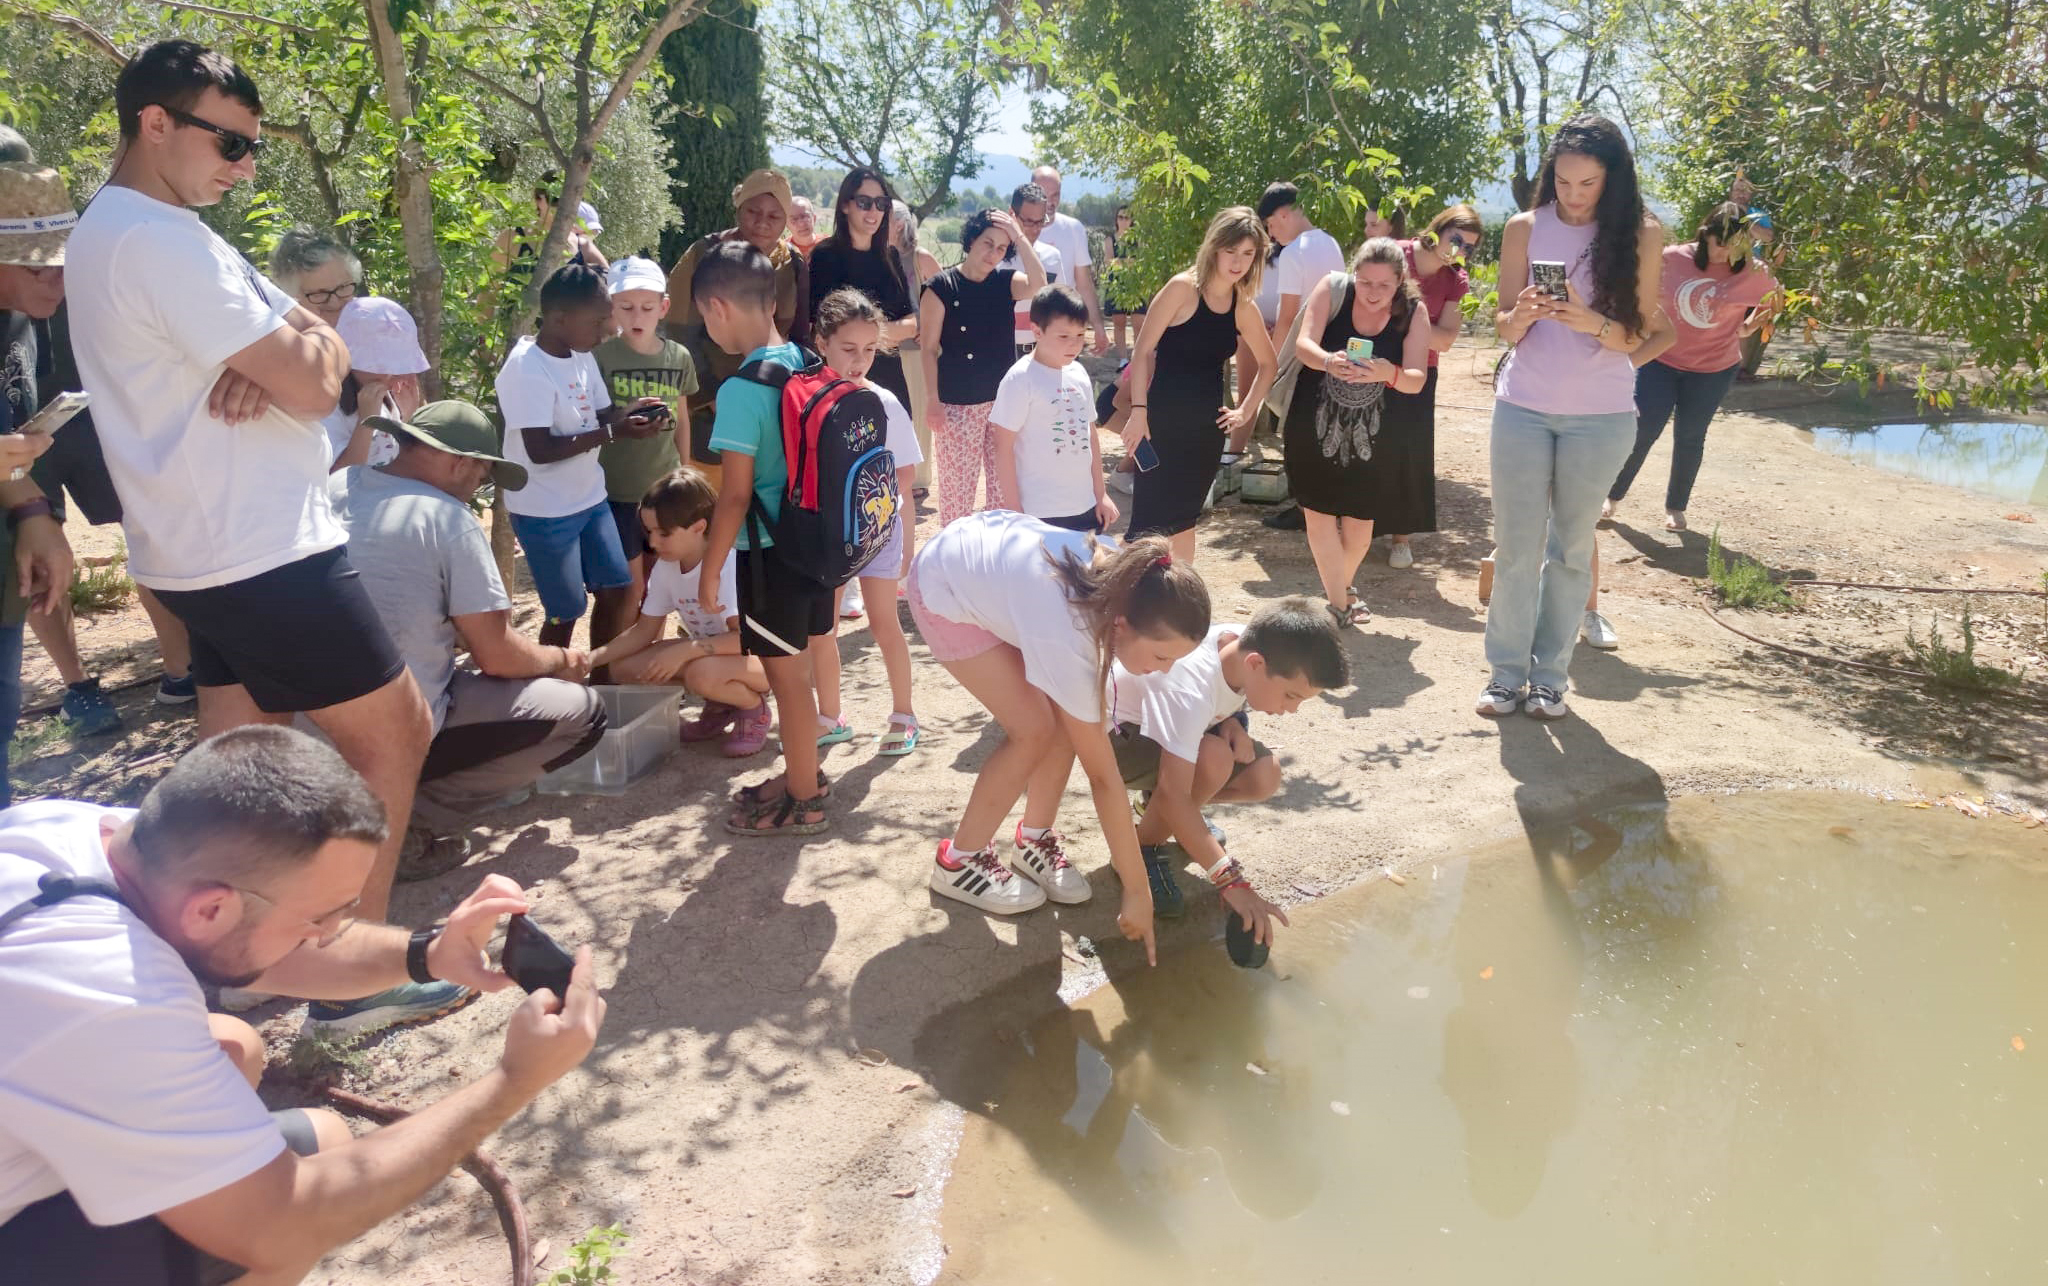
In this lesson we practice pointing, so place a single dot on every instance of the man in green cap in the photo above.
(426, 562)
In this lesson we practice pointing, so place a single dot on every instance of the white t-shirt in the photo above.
(1308, 259)
(341, 426)
(565, 394)
(158, 304)
(1069, 236)
(898, 433)
(1052, 261)
(1175, 706)
(1051, 409)
(991, 569)
(111, 1086)
(671, 589)
(1268, 298)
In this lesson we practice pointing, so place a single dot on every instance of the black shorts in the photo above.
(785, 612)
(299, 637)
(75, 464)
(632, 536)
(51, 1242)
(1084, 521)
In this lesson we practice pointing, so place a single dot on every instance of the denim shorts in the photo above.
(571, 556)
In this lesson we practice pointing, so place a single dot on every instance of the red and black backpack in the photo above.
(841, 497)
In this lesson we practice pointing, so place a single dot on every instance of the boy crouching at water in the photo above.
(1182, 737)
(675, 519)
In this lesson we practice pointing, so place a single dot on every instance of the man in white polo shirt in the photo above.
(1070, 236)
(208, 384)
(1033, 212)
(1309, 257)
(133, 1148)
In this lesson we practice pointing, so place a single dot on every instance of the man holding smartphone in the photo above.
(133, 1147)
(35, 559)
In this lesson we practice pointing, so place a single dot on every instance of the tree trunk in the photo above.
(414, 196)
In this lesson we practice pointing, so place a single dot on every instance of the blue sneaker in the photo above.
(1168, 903)
(415, 1002)
(88, 711)
(181, 691)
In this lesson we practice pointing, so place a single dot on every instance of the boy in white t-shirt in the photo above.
(1182, 737)
(1048, 460)
(675, 516)
(558, 413)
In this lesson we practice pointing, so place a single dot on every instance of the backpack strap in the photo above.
(57, 888)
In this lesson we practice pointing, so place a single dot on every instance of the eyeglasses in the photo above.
(869, 203)
(331, 926)
(1023, 222)
(338, 295)
(233, 146)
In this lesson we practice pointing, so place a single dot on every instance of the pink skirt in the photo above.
(948, 640)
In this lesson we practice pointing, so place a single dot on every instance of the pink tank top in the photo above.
(1555, 369)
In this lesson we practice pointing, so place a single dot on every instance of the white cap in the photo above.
(636, 273)
(586, 214)
(381, 337)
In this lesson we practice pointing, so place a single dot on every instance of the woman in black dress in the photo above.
(1354, 423)
(1178, 397)
(857, 255)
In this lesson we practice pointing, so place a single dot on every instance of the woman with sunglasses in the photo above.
(857, 255)
(318, 271)
(1436, 263)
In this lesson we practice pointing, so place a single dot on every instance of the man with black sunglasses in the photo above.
(208, 384)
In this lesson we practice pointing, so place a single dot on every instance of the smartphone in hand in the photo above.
(1145, 456)
(1357, 351)
(533, 959)
(1549, 277)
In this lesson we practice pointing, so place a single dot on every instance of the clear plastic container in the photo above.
(1264, 483)
(640, 731)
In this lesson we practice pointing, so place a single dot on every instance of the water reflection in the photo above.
(1739, 1039)
(2009, 461)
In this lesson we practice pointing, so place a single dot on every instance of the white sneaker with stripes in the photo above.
(981, 881)
(1044, 861)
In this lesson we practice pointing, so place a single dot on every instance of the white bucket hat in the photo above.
(381, 337)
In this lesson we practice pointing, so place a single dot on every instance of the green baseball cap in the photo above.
(459, 429)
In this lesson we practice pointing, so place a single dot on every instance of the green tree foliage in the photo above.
(1198, 104)
(1902, 150)
(904, 86)
(1543, 62)
(717, 131)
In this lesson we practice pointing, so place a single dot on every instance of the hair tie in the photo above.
(1163, 561)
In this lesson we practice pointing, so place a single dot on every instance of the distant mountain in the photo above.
(1003, 172)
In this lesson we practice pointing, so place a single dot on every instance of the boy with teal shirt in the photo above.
(780, 609)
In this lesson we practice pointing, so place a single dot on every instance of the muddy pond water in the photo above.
(2006, 460)
(1776, 1038)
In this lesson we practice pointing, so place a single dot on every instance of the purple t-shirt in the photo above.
(1708, 308)
(1556, 370)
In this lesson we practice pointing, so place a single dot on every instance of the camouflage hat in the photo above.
(36, 216)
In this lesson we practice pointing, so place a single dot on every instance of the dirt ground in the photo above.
(775, 1093)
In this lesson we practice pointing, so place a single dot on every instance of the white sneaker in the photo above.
(851, 606)
(1606, 510)
(980, 881)
(1499, 700)
(1400, 555)
(1124, 484)
(1597, 631)
(1045, 862)
(1545, 703)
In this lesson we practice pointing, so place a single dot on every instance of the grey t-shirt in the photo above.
(424, 559)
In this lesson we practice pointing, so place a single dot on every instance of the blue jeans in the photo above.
(1695, 396)
(571, 555)
(10, 703)
(1549, 472)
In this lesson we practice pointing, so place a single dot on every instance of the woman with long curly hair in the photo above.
(1588, 257)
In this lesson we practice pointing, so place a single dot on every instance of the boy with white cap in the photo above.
(385, 363)
(638, 362)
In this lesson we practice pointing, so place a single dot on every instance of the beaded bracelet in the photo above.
(1229, 873)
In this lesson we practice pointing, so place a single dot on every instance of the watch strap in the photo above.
(34, 507)
(416, 953)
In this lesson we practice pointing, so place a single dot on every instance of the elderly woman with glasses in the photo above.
(1436, 262)
(318, 271)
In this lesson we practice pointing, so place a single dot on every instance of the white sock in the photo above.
(1034, 832)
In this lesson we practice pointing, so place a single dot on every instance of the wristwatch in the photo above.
(416, 952)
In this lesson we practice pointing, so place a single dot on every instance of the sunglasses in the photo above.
(869, 203)
(339, 295)
(233, 146)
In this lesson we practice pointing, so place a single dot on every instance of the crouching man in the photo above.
(426, 562)
(133, 1148)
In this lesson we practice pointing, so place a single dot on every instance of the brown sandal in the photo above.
(756, 795)
(780, 816)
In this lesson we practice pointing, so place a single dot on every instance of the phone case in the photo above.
(1145, 456)
(533, 959)
(1550, 276)
(1358, 350)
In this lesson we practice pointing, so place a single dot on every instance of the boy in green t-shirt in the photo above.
(637, 363)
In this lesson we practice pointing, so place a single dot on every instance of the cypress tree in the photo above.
(718, 131)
